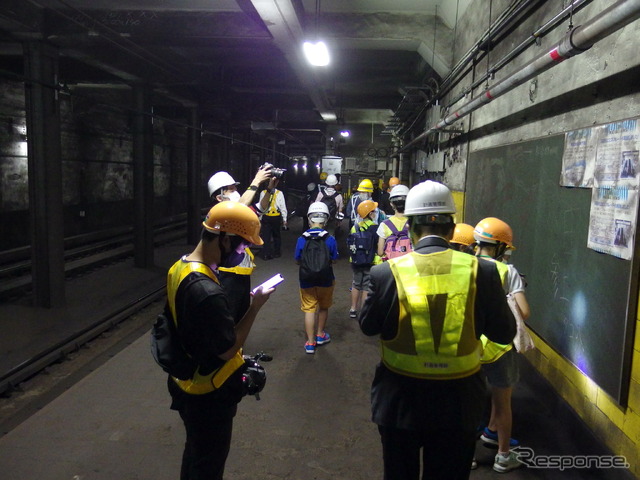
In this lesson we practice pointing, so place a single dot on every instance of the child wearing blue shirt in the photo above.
(316, 251)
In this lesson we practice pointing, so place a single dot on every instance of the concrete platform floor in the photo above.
(104, 414)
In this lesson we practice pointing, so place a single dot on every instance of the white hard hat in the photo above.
(219, 180)
(311, 187)
(429, 198)
(331, 180)
(318, 207)
(399, 191)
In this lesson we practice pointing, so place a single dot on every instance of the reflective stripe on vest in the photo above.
(436, 328)
(492, 351)
(243, 268)
(199, 384)
(273, 210)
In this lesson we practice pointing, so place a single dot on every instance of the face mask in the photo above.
(233, 197)
(365, 196)
(319, 219)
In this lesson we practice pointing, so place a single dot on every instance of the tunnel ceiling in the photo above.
(241, 61)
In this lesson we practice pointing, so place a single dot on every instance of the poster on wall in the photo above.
(616, 181)
(579, 157)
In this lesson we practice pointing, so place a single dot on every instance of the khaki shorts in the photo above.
(314, 298)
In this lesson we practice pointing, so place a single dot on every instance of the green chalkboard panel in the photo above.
(583, 303)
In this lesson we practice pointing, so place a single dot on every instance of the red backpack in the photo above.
(398, 243)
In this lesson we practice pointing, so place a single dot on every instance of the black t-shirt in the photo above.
(206, 326)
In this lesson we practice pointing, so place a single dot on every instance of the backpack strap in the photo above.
(392, 226)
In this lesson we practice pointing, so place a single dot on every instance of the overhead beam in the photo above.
(281, 19)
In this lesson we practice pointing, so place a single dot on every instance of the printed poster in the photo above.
(614, 201)
(579, 157)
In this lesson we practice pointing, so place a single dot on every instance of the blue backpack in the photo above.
(363, 244)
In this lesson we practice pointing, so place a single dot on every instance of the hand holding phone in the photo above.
(271, 283)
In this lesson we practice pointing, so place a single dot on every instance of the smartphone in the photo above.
(277, 279)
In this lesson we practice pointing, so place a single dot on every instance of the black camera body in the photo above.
(275, 171)
(254, 376)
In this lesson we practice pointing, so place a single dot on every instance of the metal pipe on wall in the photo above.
(575, 42)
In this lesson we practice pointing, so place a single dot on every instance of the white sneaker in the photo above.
(506, 464)
(474, 464)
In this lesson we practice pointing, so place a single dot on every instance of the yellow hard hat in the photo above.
(463, 234)
(493, 230)
(323, 176)
(366, 186)
(366, 207)
(235, 218)
(393, 181)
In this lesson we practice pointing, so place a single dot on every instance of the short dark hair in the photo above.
(422, 229)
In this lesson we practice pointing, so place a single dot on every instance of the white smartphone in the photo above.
(277, 279)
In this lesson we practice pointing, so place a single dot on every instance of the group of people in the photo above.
(440, 299)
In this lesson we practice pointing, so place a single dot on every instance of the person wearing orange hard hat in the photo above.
(499, 361)
(463, 240)
(365, 191)
(205, 326)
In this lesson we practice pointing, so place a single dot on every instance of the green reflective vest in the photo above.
(198, 384)
(436, 336)
(492, 351)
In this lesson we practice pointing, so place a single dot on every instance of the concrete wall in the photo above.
(595, 87)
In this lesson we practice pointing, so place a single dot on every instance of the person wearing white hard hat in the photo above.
(429, 308)
(236, 269)
(316, 251)
(223, 187)
(334, 201)
(393, 233)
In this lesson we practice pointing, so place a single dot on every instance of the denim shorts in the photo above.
(504, 372)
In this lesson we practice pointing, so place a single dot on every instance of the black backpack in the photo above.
(330, 202)
(167, 348)
(315, 260)
(363, 244)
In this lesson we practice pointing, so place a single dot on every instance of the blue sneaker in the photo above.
(322, 339)
(310, 348)
(491, 437)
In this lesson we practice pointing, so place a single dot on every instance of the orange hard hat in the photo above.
(366, 207)
(234, 218)
(463, 234)
(493, 230)
(393, 181)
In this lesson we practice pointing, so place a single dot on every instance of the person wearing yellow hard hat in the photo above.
(199, 307)
(364, 192)
(499, 361)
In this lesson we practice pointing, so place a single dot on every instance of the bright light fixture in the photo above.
(345, 133)
(317, 53)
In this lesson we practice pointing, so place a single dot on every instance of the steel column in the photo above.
(45, 175)
(143, 177)
(194, 181)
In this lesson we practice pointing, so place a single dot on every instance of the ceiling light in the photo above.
(317, 53)
(345, 133)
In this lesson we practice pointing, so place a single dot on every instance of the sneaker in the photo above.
(310, 348)
(322, 339)
(474, 464)
(491, 437)
(353, 313)
(506, 464)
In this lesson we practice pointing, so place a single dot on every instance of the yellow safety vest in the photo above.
(199, 384)
(492, 351)
(436, 327)
(273, 209)
(245, 267)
